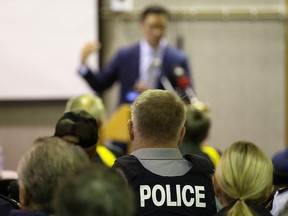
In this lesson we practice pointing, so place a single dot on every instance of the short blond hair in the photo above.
(158, 115)
(244, 173)
(90, 103)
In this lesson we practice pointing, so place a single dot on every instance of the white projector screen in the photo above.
(40, 44)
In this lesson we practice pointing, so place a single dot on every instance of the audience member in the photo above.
(41, 169)
(94, 190)
(90, 103)
(143, 65)
(81, 129)
(280, 180)
(197, 126)
(94, 106)
(165, 182)
(243, 180)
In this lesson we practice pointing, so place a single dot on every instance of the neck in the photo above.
(153, 46)
(145, 143)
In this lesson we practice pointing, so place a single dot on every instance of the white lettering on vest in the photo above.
(164, 194)
(154, 198)
(145, 193)
(185, 188)
(168, 194)
(199, 196)
(178, 195)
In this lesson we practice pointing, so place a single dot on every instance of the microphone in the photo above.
(183, 82)
(166, 84)
(163, 79)
(154, 72)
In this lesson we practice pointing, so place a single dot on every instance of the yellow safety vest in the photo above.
(212, 153)
(106, 155)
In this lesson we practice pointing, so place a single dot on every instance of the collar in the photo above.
(158, 153)
(147, 49)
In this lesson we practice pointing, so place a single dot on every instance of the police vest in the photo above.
(189, 194)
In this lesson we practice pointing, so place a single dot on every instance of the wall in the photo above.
(22, 122)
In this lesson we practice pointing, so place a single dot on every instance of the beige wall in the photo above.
(22, 122)
(238, 68)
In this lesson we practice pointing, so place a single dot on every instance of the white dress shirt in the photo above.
(150, 62)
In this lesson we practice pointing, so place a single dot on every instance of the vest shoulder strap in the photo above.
(200, 164)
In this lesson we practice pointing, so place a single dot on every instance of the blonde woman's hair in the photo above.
(90, 103)
(244, 174)
(158, 115)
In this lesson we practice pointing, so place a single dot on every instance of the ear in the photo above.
(131, 129)
(182, 133)
(24, 198)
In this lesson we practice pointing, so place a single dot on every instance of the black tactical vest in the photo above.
(189, 194)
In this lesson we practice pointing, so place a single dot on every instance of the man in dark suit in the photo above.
(149, 64)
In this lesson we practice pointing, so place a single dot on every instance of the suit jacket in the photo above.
(125, 69)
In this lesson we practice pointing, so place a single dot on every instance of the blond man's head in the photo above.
(90, 103)
(158, 115)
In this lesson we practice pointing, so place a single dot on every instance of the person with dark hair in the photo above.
(80, 128)
(149, 64)
(197, 126)
(94, 106)
(94, 190)
(165, 182)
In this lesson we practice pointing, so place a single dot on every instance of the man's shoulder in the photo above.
(200, 164)
(126, 159)
(129, 50)
(129, 165)
(173, 51)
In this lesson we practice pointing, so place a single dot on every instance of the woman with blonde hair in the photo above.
(243, 180)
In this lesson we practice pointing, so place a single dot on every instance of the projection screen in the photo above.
(40, 44)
